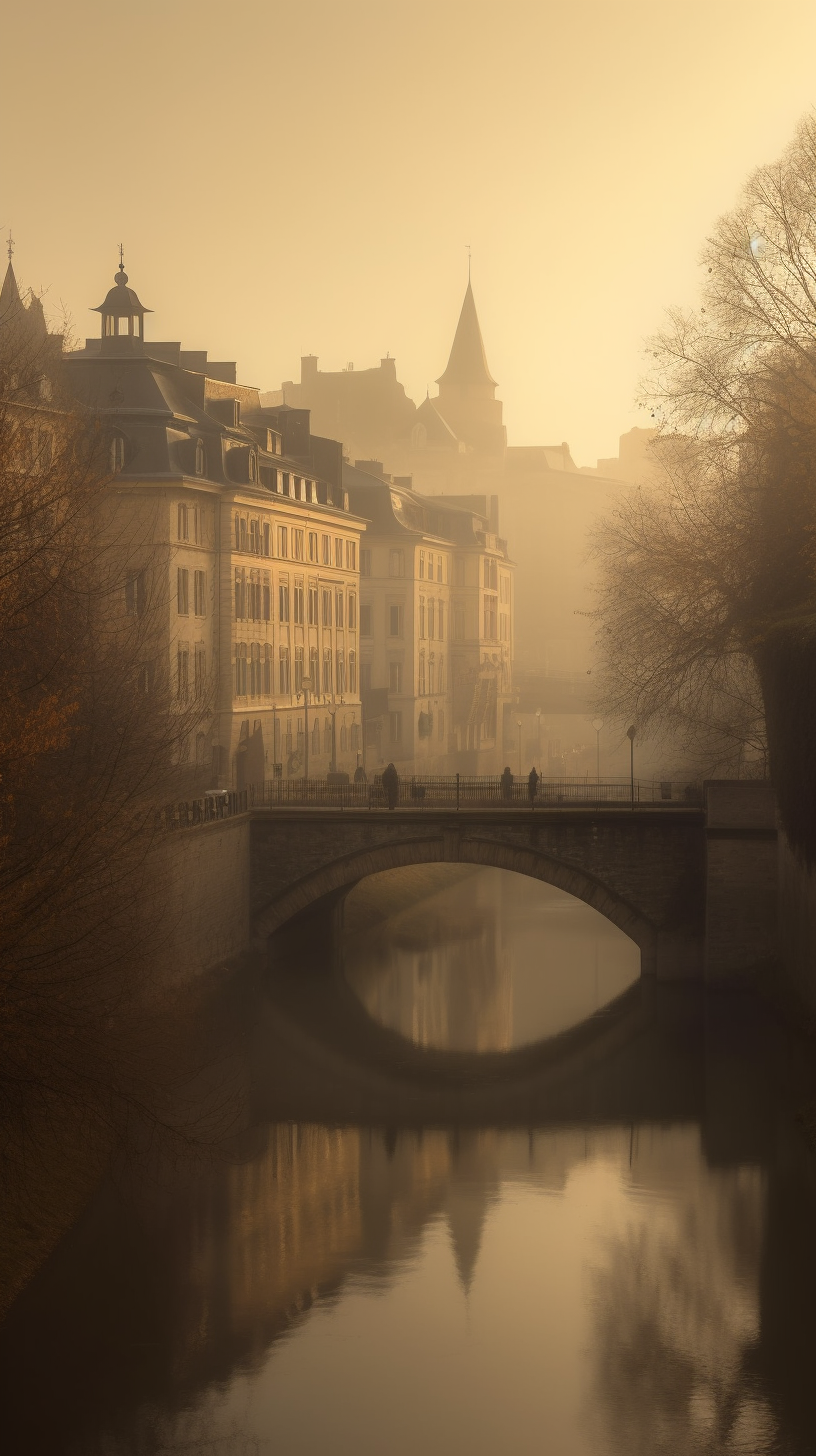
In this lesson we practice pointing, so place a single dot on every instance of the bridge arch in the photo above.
(346, 871)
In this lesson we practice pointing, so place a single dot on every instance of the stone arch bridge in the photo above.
(695, 888)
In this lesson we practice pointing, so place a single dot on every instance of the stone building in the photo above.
(239, 522)
(436, 625)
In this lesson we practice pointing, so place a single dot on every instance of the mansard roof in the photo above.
(467, 365)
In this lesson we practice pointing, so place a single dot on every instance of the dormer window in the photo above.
(200, 458)
(252, 467)
(117, 454)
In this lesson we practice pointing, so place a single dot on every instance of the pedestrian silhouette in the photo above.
(360, 775)
(507, 784)
(390, 782)
(532, 784)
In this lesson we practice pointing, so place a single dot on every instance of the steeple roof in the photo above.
(467, 365)
(11, 304)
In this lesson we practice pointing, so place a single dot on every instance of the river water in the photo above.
(479, 1189)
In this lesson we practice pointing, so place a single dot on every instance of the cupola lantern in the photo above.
(122, 315)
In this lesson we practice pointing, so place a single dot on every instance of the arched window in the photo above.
(255, 670)
(352, 672)
(200, 458)
(117, 454)
(267, 670)
(240, 670)
(421, 673)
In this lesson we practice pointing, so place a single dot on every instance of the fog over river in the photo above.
(478, 1188)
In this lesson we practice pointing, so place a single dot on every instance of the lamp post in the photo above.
(518, 725)
(597, 724)
(630, 734)
(332, 712)
(538, 733)
(306, 686)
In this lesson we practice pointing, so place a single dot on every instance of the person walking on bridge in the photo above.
(507, 785)
(390, 782)
(532, 785)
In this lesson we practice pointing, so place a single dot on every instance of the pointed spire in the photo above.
(467, 365)
(11, 304)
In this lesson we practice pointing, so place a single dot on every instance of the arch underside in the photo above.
(343, 873)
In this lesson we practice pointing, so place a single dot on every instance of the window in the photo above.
(439, 561)
(325, 550)
(351, 556)
(365, 621)
(313, 545)
(490, 604)
(255, 537)
(396, 617)
(340, 679)
(422, 565)
(135, 593)
(504, 590)
(283, 541)
(431, 675)
(352, 672)
(338, 607)
(183, 591)
(297, 545)
(183, 523)
(441, 683)
(396, 563)
(240, 670)
(432, 618)
(327, 670)
(313, 606)
(314, 670)
(267, 544)
(352, 611)
(267, 669)
(283, 604)
(441, 722)
(395, 677)
(198, 525)
(298, 591)
(200, 458)
(338, 552)
(365, 561)
(255, 677)
(199, 593)
(240, 594)
(183, 672)
(267, 598)
(327, 608)
(421, 683)
(441, 617)
(286, 486)
(284, 670)
(242, 534)
(430, 566)
(298, 669)
(422, 617)
(253, 465)
(490, 573)
(117, 454)
(395, 727)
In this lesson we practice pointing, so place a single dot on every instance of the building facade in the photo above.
(238, 525)
(436, 626)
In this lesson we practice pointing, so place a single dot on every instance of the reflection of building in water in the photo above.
(438, 973)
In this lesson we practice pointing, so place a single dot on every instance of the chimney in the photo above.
(308, 368)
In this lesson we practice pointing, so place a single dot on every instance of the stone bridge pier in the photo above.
(695, 888)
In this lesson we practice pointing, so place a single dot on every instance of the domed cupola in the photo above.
(122, 316)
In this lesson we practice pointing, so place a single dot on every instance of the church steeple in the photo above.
(467, 365)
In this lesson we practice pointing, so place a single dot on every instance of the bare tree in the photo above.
(708, 597)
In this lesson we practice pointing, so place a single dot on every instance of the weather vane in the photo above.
(467, 245)
(10, 245)
(122, 256)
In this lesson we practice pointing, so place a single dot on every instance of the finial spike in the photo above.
(467, 245)
(10, 245)
(121, 255)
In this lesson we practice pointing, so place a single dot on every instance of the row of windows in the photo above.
(185, 683)
(433, 618)
(349, 736)
(183, 592)
(255, 670)
(329, 606)
(435, 558)
(295, 543)
(431, 675)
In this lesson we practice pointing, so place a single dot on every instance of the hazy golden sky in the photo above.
(305, 177)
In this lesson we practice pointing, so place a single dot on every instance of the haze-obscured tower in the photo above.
(467, 390)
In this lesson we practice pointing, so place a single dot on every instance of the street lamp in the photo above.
(597, 724)
(518, 725)
(332, 712)
(538, 729)
(630, 734)
(306, 685)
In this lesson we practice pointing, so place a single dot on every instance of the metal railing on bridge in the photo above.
(423, 792)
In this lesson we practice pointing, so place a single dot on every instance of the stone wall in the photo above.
(201, 893)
